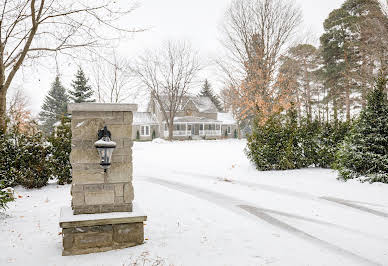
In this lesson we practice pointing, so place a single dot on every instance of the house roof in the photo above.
(144, 118)
(226, 118)
(202, 103)
(194, 119)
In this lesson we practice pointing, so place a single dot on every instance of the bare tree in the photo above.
(256, 33)
(32, 29)
(168, 75)
(113, 79)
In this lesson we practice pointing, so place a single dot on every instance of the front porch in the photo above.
(186, 129)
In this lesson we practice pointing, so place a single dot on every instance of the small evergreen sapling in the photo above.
(364, 152)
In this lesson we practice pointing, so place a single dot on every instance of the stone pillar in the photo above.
(102, 216)
(93, 190)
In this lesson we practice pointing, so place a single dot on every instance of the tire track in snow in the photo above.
(245, 208)
(348, 203)
(355, 206)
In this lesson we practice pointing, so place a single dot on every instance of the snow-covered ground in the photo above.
(207, 205)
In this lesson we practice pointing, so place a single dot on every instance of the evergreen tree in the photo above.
(208, 92)
(364, 152)
(54, 105)
(60, 152)
(82, 91)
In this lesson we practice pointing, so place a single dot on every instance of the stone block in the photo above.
(86, 209)
(76, 188)
(128, 193)
(86, 129)
(120, 131)
(121, 158)
(119, 190)
(91, 176)
(67, 238)
(94, 187)
(117, 207)
(128, 118)
(99, 197)
(128, 143)
(119, 200)
(120, 173)
(83, 144)
(128, 233)
(78, 198)
(92, 237)
(83, 155)
(109, 187)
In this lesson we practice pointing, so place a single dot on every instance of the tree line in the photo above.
(329, 82)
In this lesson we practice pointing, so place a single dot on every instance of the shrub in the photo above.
(5, 196)
(60, 149)
(282, 143)
(9, 171)
(32, 161)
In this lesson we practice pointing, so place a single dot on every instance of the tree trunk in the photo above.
(170, 131)
(335, 112)
(347, 101)
(308, 102)
(3, 109)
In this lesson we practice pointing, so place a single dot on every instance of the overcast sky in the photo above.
(196, 21)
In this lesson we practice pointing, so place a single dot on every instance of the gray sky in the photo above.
(196, 21)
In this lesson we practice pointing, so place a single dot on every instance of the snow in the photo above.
(207, 205)
(144, 118)
(80, 124)
(66, 215)
(226, 118)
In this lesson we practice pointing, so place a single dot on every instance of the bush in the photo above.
(329, 139)
(9, 171)
(282, 143)
(33, 161)
(5, 196)
(265, 146)
(24, 160)
(60, 149)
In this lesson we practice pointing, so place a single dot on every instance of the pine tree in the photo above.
(208, 92)
(364, 152)
(82, 92)
(54, 105)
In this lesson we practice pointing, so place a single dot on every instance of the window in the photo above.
(165, 127)
(144, 130)
(218, 127)
(189, 127)
(229, 129)
(201, 127)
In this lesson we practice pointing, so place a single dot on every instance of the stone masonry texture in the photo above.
(94, 191)
(90, 239)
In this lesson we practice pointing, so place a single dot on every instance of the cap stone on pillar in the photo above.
(94, 191)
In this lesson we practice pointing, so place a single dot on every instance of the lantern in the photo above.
(105, 147)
